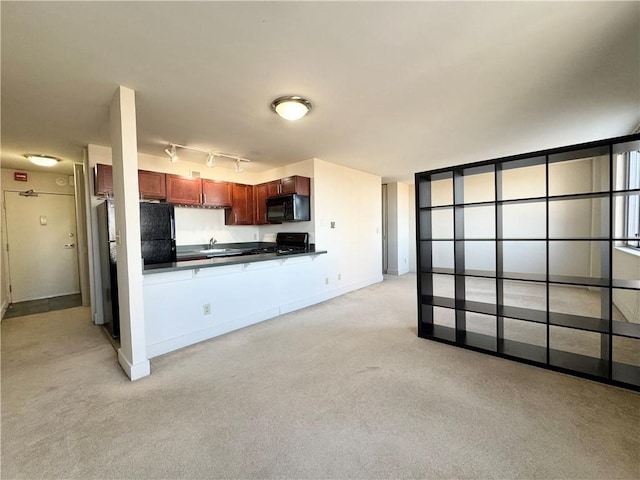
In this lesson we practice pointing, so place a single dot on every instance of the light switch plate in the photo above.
(43, 219)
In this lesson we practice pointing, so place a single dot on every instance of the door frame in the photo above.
(6, 274)
(385, 228)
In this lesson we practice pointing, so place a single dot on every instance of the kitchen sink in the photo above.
(214, 252)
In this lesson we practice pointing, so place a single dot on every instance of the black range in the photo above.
(287, 243)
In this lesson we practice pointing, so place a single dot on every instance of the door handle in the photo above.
(69, 245)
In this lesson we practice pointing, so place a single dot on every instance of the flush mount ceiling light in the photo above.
(42, 160)
(211, 156)
(291, 107)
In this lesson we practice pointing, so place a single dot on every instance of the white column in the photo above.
(132, 354)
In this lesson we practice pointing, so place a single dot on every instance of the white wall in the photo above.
(40, 182)
(626, 262)
(353, 200)
(398, 233)
(197, 225)
(626, 266)
(392, 229)
(411, 212)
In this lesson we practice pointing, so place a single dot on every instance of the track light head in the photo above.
(211, 160)
(239, 168)
(173, 156)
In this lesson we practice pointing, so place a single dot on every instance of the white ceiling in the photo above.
(397, 87)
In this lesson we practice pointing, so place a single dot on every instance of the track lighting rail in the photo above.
(171, 151)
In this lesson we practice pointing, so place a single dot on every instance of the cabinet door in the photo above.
(184, 190)
(241, 212)
(273, 188)
(152, 185)
(296, 184)
(103, 181)
(260, 194)
(216, 194)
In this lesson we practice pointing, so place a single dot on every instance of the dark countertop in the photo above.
(189, 259)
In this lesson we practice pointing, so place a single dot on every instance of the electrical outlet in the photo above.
(339, 276)
(326, 281)
(255, 236)
(206, 309)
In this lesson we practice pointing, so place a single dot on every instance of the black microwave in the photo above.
(288, 208)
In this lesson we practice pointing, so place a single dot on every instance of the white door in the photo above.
(41, 235)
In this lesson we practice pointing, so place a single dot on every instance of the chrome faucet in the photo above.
(212, 242)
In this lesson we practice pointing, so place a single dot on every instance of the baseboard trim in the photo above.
(397, 273)
(63, 294)
(4, 308)
(134, 372)
(625, 309)
(322, 297)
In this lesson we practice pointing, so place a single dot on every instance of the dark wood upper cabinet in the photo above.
(241, 212)
(184, 190)
(245, 204)
(273, 188)
(260, 195)
(103, 180)
(216, 193)
(283, 186)
(295, 184)
(152, 185)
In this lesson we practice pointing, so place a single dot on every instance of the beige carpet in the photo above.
(344, 389)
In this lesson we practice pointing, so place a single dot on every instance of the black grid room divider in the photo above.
(526, 257)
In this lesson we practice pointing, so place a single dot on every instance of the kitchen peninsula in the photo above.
(188, 301)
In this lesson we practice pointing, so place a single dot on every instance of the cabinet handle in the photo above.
(204, 198)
